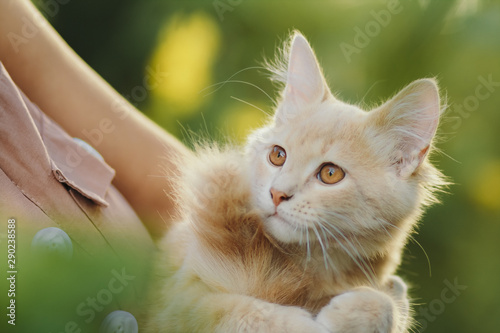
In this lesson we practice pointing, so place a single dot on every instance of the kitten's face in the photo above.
(330, 171)
(329, 179)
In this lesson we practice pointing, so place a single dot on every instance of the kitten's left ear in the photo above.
(305, 84)
(408, 122)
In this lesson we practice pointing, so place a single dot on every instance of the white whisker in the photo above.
(362, 265)
(322, 246)
(244, 82)
(221, 84)
(410, 237)
(250, 104)
(308, 245)
(369, 264)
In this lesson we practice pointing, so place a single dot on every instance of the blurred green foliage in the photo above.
(196, 44)
(50, 292)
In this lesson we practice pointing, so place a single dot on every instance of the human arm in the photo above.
(55, 78)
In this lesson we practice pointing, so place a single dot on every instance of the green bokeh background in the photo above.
(195, 44)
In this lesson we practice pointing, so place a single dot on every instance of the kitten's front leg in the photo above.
(195, 308)
(366, 310)
(397, 289)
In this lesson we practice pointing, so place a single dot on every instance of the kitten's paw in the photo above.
(272, 318)
(363, 310)
(397, 289)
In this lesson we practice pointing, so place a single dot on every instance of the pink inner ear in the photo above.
(407, 166)
(421, 156)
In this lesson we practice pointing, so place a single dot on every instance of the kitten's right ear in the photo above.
(305, 83)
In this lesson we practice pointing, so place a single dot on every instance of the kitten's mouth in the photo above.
(275, 214)
(280, 218)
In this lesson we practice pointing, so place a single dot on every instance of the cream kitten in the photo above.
(303, 231)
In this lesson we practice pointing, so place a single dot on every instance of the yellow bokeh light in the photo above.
(186, 51)
(486, 190)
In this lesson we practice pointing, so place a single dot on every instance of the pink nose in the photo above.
(278, 196)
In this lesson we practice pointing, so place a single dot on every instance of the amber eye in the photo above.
(331, 173)
(277, 156)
